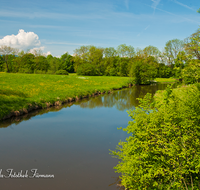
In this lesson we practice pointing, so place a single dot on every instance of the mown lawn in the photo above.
(17, 91)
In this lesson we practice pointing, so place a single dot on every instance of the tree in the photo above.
(198, 10)
(192, 44)
(67, 63)
(87, 69)
(109, 52)
(5, 51)
(41, 63)
(54, 64)
(1, 63)
(90, 55)
(164, 71)
(125, 51)
(191, 73)
(143, 70)
(172, 48)
(180, 62)
(151, 51)
(27, 64)
(163, 147)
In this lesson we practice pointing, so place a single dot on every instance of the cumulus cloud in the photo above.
(23, 40)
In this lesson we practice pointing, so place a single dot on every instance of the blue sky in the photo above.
(63, 25)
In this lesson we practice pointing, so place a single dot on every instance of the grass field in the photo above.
(165, 80)
(21, 91)
(18, 91)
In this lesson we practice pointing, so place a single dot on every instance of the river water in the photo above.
(69, 143)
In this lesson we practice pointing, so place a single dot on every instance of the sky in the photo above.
(61, 26)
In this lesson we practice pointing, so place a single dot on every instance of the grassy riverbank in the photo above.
(22, 91)
(165, 80)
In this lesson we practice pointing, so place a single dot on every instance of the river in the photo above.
(68, 145)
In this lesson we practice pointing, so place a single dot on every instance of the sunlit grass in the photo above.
(17, 91)
(165, 80)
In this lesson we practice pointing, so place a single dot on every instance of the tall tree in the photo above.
(192, 44)
(125, 51)
(109, 52)
(151, 51)
(172, 48)
(5, 51)
(67, 63)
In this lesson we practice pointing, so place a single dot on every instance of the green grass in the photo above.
(18, 91)
(165, 80)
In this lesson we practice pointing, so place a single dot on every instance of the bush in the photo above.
(62, 72)
(49, 72)
(163, 149)
(87, 70)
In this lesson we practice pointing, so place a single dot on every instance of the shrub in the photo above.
(163, 149)
(62, 72)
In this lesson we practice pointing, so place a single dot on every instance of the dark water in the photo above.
(70, 142)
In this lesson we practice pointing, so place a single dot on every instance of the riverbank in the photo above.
(22, 93)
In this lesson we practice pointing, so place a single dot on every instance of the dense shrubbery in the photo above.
(163, 149)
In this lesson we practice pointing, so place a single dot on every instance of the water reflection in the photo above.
(122, 100)
(72, 142)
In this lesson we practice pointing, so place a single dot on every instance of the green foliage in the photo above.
(192, 44)
(172, 48)
(62, 72)
(164, 71)
(67, 63)
(163, 147)
(1, 63)
(143, 70)
(54, 64)
(89, 59)
(191, 73)
(151, 51)
(125, 51)
(87, 69)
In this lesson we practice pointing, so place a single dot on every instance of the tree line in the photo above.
(25, 62)
(180, 59)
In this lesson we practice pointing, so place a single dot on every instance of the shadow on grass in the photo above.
(9, 92)
(11, 103)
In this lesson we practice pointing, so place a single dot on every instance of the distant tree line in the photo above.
(179, 59)
(22, 62)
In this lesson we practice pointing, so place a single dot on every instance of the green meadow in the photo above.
(18, 91)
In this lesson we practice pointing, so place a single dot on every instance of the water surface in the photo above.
(71, 142)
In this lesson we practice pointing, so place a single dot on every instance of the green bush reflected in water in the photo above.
(122, 99)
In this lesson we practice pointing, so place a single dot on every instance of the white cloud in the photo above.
(23, 40)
